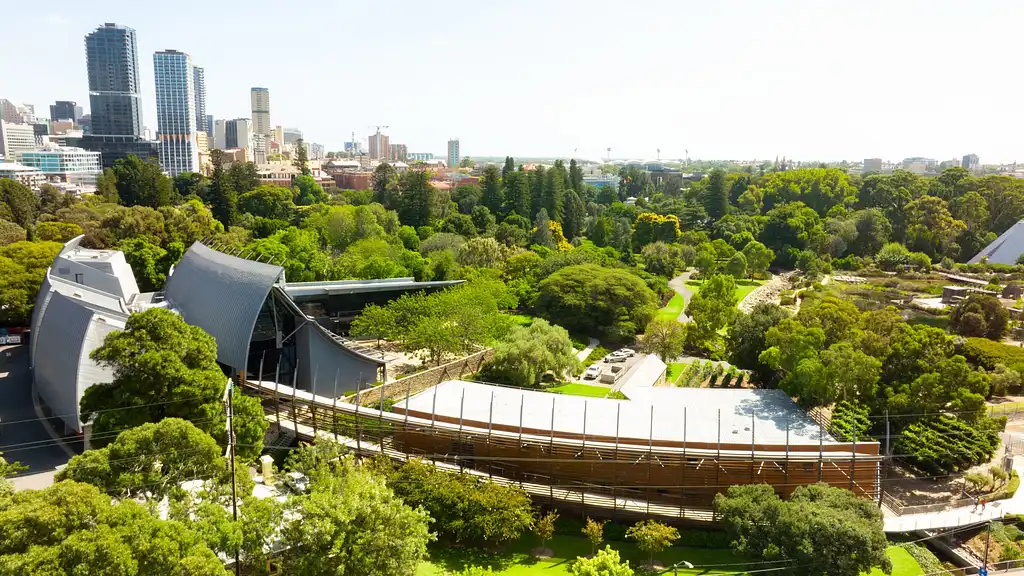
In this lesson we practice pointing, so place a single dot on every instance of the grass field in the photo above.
(743, 287)
(581, 390)
(523, 320)
(671, 310)
(1005, 408)
(518, 562)
(674, 370)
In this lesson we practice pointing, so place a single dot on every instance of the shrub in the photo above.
(926, 559)
(946, 444)
(846, 416)
(892, 257)
(989, 353)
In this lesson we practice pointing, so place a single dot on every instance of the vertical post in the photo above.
(615, 459)
(380, 421)
(230, 444)
(334, 406)
(752, 435)
(462, 406)
(786, 489)
(277, 393)
(522, 401)
(853, 460)
(433, 409)
(583, 454)
(312, 403)
(988, 537)
(551, 451)
(405, 423)
(359, 389)
(682, 479)
(295, 387)
(884, 462)
(490, 426)
(650, 459)
(821, 445)
(718, 454)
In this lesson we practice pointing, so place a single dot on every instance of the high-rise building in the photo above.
(260, 98)
(65, 110)
(380, 147)
(176, 112)
(314, 151)
(971, 162)
(15, 138)
(209, 127)
(291, 135)
(399, 152)
(238, 133)
(872, 165)
(220, 134)
(199, 81)
(454, 154)
(113, 63)
(16, 113)
(115, 119)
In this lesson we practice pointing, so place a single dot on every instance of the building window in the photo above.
(78, 278)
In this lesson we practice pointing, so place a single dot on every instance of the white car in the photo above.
(628, 352)
(615, 357)
(593, 372)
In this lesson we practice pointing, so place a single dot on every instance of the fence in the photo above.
(420, 381)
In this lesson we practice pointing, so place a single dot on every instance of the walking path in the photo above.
(767, 292)
(679, 285)
(591, 344)
(962, 516)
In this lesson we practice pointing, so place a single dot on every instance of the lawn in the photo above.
(672, 310)
(674, 370)
(743, 287)
(518, 562)
(581, 390)
(523, 320)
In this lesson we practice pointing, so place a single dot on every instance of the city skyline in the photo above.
(780, 71)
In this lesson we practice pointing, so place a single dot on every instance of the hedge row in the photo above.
(846, 415)
(946, 444)
(987, 353)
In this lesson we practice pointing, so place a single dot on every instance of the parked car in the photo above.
(593, 372)
(629, 352)
(615, 357)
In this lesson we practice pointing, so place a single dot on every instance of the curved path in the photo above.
(679, 285)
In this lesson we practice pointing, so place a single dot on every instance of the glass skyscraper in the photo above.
(113, 67)
(199, 80)
(176, 112)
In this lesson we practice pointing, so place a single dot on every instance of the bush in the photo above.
(846, 415)
(892, 257)
(946, 444)
(926, 559)
(988, 353)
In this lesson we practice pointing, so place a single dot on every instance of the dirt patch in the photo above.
(541, 552)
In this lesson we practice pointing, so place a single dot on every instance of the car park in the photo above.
(629, 352)
(615, 357)
(593, 372)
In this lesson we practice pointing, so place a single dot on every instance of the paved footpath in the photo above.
(679, 285)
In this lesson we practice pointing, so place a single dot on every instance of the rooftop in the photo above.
(729, 416)
(15, 167)
(298, 289)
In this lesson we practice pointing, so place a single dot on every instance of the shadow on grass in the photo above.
(455, 558)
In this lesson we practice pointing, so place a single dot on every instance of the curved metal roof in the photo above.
(222, 295)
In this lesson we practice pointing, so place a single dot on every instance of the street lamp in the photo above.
(684, 564)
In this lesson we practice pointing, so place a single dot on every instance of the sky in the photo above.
(811, 80)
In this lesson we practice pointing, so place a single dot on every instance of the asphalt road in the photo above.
(23, 438)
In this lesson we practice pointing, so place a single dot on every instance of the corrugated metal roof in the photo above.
(299, 289)
(60, 338)
(1005, 249)
(222, 295)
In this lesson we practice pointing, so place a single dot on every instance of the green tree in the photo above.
(242, 176)
(664, 337)
(705, 261)
(57, 231)
(793, 352)
(595, 300)
(301, 161)
(746, 340)
(148, 261)
(575, 176)
(377, 322)
(820, 530)
(759, 257)
(354, 524)
(307, 190)
(604, 563)
(11, 233)
(490, 182)
(544, 527)
(542, 230)
(414, 208)
(163, 368)
(482, 253)
(527, 354)
(716, 195)
(467, 196)
(662, 259)
(893, 256)
(980, 315)
(106, 186)
(518, 196)
(711, 308)
(737, 266)
(18, 203)
(72, 528)
(190, 184)
(384, 175)
(151, 460)
(142, 183)
(223, 196)
(652, 537)
(22, 269)
(594, 531)
(575, 215)
(931, 228)
(267, 201)
(552, 197)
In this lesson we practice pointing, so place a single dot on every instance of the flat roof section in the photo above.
(300, 289)
(747, 416)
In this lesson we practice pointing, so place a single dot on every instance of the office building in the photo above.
(971, 162)
(872, 165)
(380, 147)
(71, 165)
(314, 151)
(260, 99)
(65, 110)
(291, 135)
(919, 165)
(220, 141)
(399, 152)
(113, 69)
(16, 138)
(454, 154)
(30, 177)
(419, 156)
(260, 145)
(354, 148)
(176, 112)
(202, 142)
(238, 133)
(199, 82)
(209, 127)
(16, 113)
(115, 120)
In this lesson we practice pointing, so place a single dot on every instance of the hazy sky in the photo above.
(815, 79)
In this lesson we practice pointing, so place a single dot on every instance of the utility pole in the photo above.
(988, 536)
(231, 449)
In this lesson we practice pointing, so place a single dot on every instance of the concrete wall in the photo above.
(420, 381)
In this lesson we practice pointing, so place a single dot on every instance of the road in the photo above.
(23, 437)
(679, 285)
